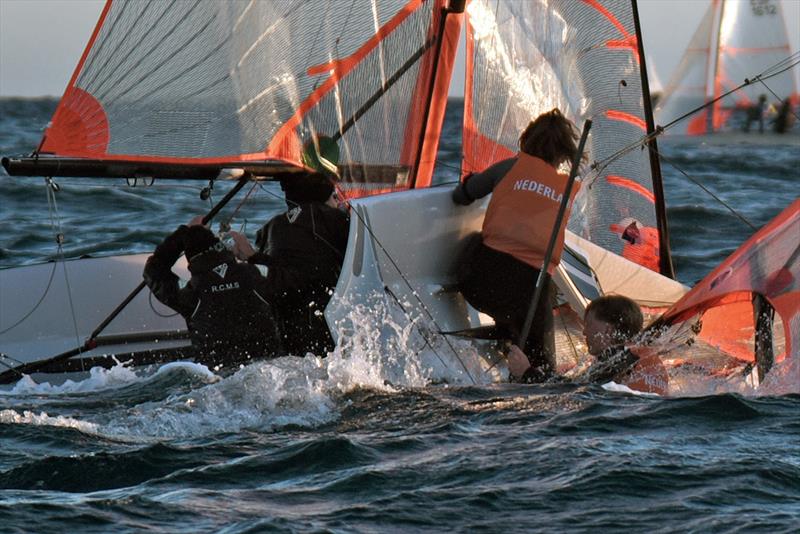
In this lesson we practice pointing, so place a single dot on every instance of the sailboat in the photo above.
(735, 41)
(177, 90)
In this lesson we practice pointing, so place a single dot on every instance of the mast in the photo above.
(715, 89)
(665, 255)
(454, 7)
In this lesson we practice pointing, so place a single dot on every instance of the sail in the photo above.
(688, 87)
(200, 83)
(735, 41)
(583, 57)
(752, 39)
(720, 307)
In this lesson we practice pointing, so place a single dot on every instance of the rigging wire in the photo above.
(770, 72)
(701, 186)
(225, 224)
(55, 224)
(38, 303)
(416, 296)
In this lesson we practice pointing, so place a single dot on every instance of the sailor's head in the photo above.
(551, 137)
(610, 321)
(307, 187)
(198, 239)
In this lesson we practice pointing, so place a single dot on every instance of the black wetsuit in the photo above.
(303, 249)
(225, 304)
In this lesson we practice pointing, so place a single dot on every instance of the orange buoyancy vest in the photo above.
(523, 209)
(649, 375)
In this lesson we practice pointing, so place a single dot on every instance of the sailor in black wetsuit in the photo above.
(303, 249)
(225, 304)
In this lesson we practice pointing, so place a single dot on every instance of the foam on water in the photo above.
(382, 352)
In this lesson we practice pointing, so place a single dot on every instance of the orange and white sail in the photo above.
(199, 83)
(720, 307)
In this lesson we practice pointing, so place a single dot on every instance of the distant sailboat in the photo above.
(736, 40)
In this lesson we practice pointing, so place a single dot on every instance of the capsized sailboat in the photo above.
(735, 41)
(177, 90)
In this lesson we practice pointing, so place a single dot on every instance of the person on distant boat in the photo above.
(225, 303)
(498, 277)
(782, 122)
(303, 250)
(756, 113)
(609, 323)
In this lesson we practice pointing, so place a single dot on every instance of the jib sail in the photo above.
(720, 307)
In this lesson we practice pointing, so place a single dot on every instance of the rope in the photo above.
(416, 296)
(35, 306)
(154, 310)
(701, 186)
(55, 223)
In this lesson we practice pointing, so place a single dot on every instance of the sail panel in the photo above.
(688, 87)
(752, 39)
(767, 264)
(203, 82)
(526, 58)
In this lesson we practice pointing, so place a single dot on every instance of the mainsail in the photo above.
(736, 40)
(201, 83)
(584, 57)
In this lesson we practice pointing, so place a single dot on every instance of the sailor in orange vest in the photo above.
(609, 323)
(498, 277)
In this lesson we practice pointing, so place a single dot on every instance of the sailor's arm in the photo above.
(478, 185)
(158, 273)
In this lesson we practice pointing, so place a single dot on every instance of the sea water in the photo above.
(372, 439)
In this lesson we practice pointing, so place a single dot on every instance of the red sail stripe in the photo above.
(628, 41)
(613, 114)
(611, 18)
(281, 144)
(633, 186)
(733, 50)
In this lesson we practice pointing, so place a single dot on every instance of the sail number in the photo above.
(763, 7)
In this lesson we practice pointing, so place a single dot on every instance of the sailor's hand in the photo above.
(242, 248)
(460, 195)
(517, 361)
(197, 221)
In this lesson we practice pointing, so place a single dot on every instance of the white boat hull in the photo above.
(402, 254)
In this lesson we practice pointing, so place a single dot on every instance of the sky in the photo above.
(41, 41)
